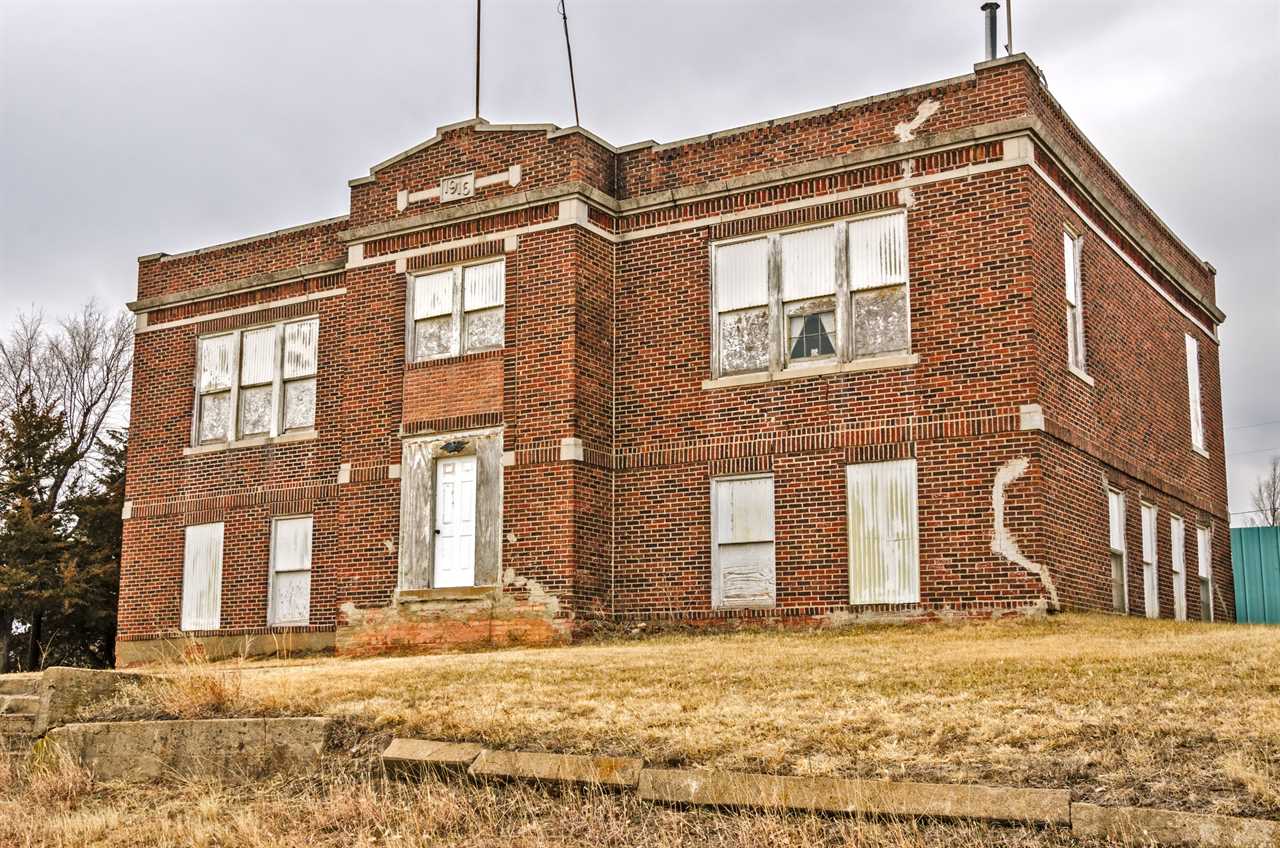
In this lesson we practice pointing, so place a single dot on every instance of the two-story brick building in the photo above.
(919, 355)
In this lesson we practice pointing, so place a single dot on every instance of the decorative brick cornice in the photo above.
(484, 250)
(454, 360)
(220, 503)
(462, 229)
(451, 424)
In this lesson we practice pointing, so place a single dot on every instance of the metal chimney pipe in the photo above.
(991, 9)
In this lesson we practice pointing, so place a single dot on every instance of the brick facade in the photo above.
(611, 421)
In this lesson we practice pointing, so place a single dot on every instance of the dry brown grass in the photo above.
(1122, 711)
(354, 807)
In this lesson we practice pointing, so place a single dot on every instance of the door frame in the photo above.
(416, 550)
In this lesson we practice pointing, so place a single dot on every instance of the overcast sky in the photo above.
(133, 127)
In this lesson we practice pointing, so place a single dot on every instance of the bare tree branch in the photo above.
(1266, 496)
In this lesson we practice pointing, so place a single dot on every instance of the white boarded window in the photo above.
(1119, 565)
(742, 544)
(1178, 554)
(1072, 252)
(1193, 392)
(202, 577)
(1150, 575)
(884, 554)
(741, 278)
(217, 375)
(290, 571)
(836, 292)
(257, 382)
(457, 310)
(809, 293)
(1205, 561)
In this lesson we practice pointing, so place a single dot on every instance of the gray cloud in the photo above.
(132, 127)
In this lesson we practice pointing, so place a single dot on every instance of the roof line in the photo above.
(169, 257)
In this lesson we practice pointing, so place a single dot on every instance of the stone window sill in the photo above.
(1200, 451)
(874, 363)
(253, 442)
(456, 593)
(1082, 375)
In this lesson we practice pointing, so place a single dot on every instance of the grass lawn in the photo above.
(1120, 710)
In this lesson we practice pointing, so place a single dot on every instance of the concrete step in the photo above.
(19, 684)
(25, 705)
(16, 732)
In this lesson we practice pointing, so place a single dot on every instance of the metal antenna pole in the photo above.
(1008, 24)
(477, 58)
(573, 87)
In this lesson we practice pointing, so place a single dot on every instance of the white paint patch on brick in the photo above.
(906, 131)
(1003, 542)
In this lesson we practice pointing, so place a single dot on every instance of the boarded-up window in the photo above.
(290, 571)
(1150, 576)
(1072, 251)
(213, 387)
(808, 292)
(1205, 560)
(1193, 393)
(742, 305)
(458, 310)
(202, 577)
(878, 283)
(1178, 554)
(742, 572)
(257, 382)
(884, 557)
(1119, 566)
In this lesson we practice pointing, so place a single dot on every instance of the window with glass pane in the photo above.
(217, 374)
(290, 571)
(878, 285)
(808, 292)
(433, 324)
(483, 296)
(741, 280)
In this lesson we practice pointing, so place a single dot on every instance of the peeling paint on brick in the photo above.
(1002, 539)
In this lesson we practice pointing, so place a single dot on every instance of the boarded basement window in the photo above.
(1178, 553)
(1150, 576)
(458, 310)
(202, 577)
(884, 556)
(1072, 251)
(1193, 393)
(1119, 566)
(290, 571)
(742, 555)
(1205, 559)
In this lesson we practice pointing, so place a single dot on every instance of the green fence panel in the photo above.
(1255, 559)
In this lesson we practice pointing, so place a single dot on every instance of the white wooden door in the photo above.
(455, 550)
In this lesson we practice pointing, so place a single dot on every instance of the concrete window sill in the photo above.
(874, 363)
(1082, 375)
(255, 442)
(1200, 451)
(457, 593)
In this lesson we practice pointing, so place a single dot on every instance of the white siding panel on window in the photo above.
(217, 362)
(742, 542)
(1178, 554)
(483, 285)
(1071, 269)
(291, 570)
(202, 577)
(808, 263)
(1115, 509)
(742, 274)
(1204, 560)
(300, 348)
(883, 538)
(1150, 576)
(432, 295)
(878, 251)
(258, 356)
(1193, 392)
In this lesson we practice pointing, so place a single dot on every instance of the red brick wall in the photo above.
(465, 385)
